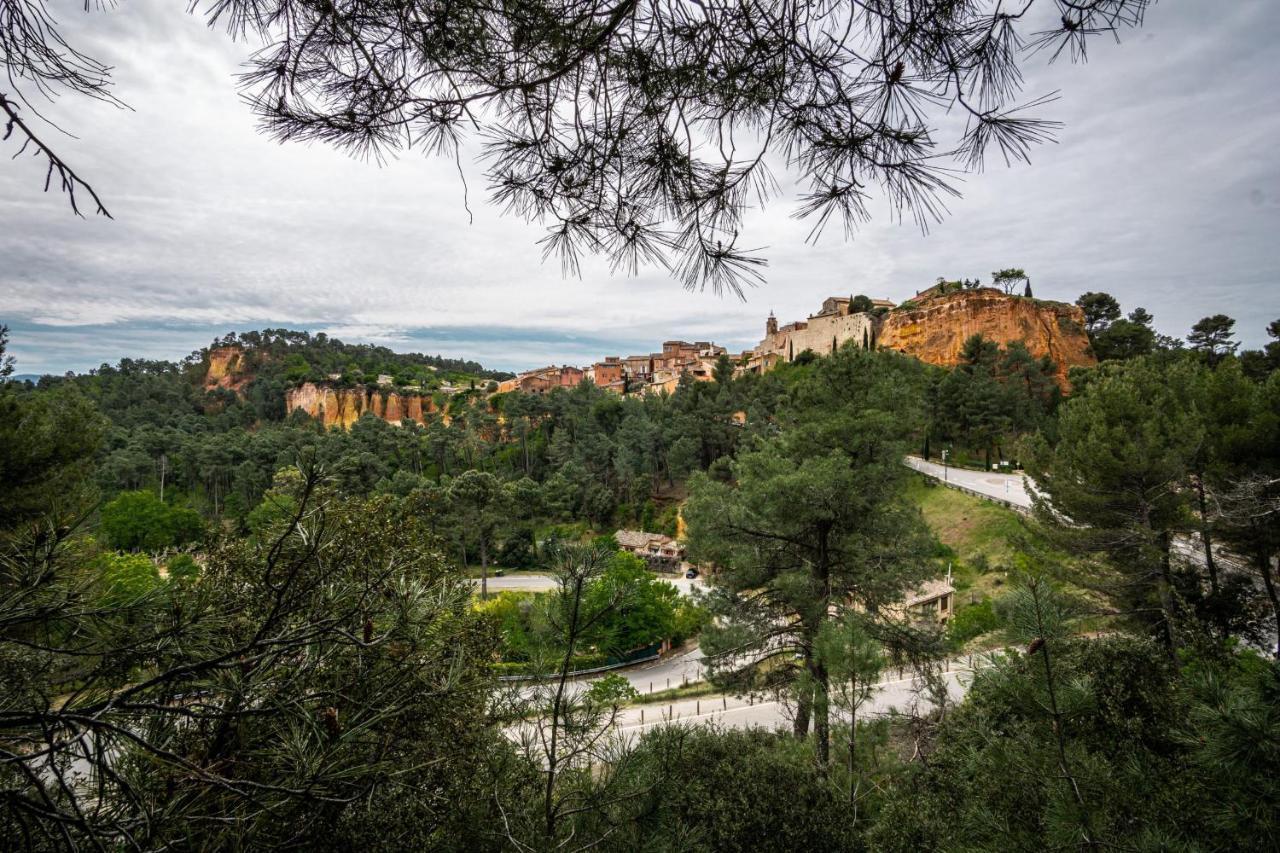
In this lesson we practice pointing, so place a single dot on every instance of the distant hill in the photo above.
(244, 379)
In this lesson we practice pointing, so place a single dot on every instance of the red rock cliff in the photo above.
(342, 407)
(935, 330)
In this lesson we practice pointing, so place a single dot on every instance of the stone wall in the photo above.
(824, 334)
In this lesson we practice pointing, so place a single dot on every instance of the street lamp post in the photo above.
(944, 466)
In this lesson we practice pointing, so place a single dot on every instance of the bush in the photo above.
(127, 578)
(182, 567)
(732, 790)
(517, 549)
(690, 620)
(611, 691)
(973, 621)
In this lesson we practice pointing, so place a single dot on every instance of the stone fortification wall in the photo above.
(823, 334)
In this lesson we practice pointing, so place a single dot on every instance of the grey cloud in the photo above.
(1164, 190)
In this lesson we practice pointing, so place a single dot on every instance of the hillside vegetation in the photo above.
(221, 628)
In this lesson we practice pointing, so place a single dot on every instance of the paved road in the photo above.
(530, 582)
(732, 712)
(993, 484)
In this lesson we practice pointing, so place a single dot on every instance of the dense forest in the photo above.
(225, 628)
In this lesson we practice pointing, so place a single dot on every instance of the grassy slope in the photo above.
(985, 538)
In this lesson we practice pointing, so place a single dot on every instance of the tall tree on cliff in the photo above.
(814, 522)
(1009, 279)
(596, 115)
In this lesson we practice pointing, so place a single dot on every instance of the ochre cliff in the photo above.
(935, 329)
(227, 369)
(342, 407)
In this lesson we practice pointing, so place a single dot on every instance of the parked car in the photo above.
(691, 574)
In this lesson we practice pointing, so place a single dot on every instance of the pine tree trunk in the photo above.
(821, 716)
(853, 743)
(1205, 537)
(1263, 561)
(800, 726)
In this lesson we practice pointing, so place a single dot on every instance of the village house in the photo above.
(648, 374)
(934, 599)
(662, 553)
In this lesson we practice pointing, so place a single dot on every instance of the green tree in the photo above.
(315, 689)
(1242, 474)
(815, 521)
(709, 790)
(1260, 363)
(1009, 279)
(1112, 480)
(853, 660)
(140, 521)
(477, 496)
(650, 612)
(1212, 337)
(1123, 339)
(48, 439)
(128, 578)
(1100, 311)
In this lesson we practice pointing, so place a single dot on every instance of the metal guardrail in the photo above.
(648, 653)
(1021, 510)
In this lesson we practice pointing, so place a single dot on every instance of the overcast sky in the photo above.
(1164, 190)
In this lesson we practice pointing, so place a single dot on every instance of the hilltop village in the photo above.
(932, 326)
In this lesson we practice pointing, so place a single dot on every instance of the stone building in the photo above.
(607, 372)
(823, 333)
(662, 553)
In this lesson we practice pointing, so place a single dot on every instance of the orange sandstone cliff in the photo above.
(341, 407)
(230, 367)
(227, 369)
(935, 329)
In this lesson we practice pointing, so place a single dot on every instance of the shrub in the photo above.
(182, 567)
(612, 690)
(127, 578)
(732, 790)
(973, 621)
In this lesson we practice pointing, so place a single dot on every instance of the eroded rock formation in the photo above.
(341, 407)
(935, 329)
(227, 369)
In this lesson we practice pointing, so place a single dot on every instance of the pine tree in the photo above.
(815, 519)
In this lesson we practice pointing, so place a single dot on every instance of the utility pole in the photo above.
(944, 465)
